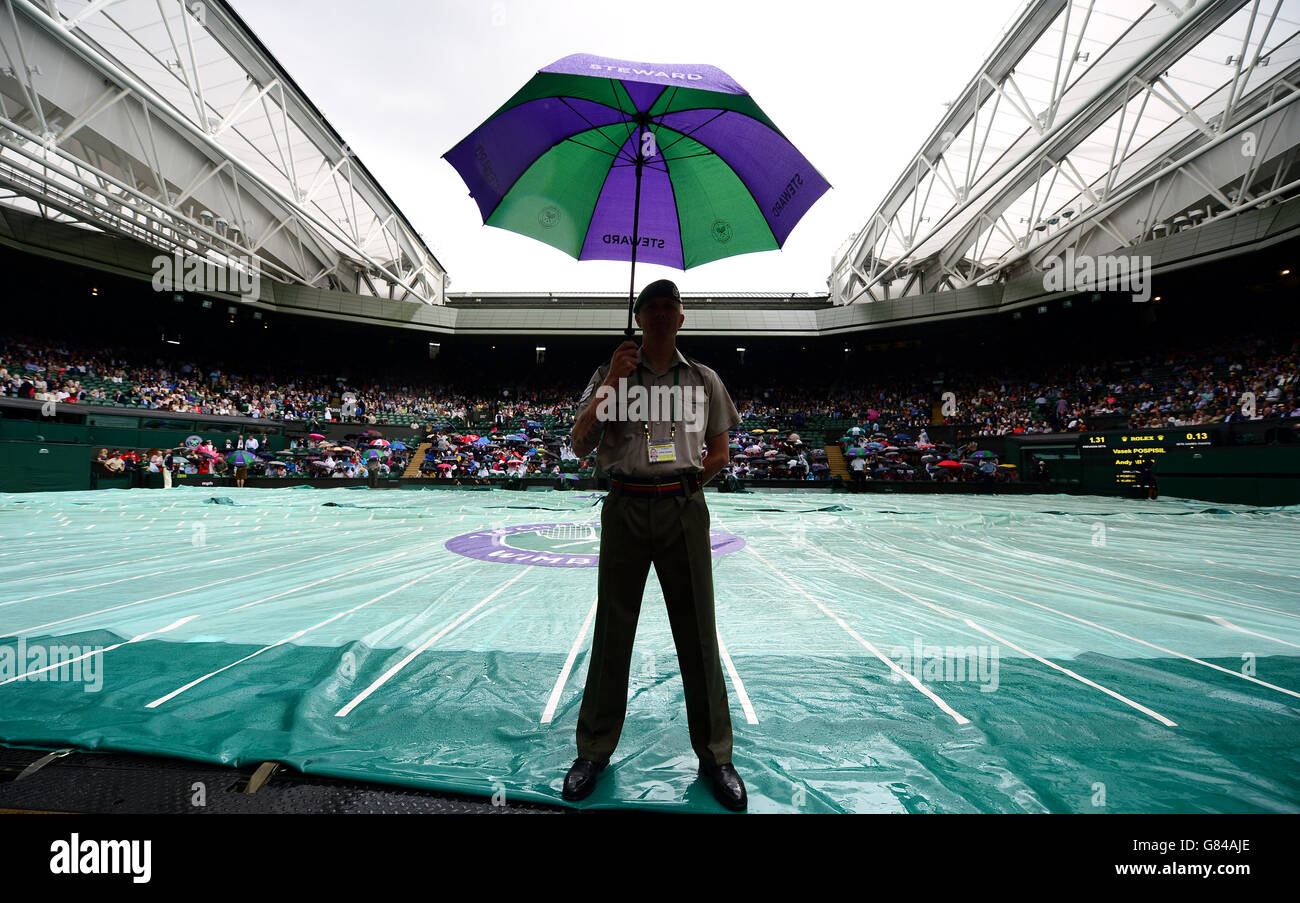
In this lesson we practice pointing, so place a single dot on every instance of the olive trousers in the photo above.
(672, 534)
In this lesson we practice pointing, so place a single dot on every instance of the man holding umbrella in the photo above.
(656, 514)
(682, 155)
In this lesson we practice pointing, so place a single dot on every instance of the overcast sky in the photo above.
(856, 86)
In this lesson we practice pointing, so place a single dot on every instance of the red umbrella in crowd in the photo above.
(949, 464)
(316, 436)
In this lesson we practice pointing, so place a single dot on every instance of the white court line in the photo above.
(193, 552)
(563, 679)
(1177, 591)
(187, 589)
(1124, 699)
(361, 697)
(736, 682)
(195, 564)
(367, 565)
(289, 639)
(1065, 614)
(903, 675)
(849, 568)
(1148, 564)
(1223, 622)
(135, 639)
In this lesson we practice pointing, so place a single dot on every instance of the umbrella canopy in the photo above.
(397, 446)
(606, 159)
(983, 454)
(240, 458)
(949, 464)
(315, 436)
(372, 454)
(380, 443)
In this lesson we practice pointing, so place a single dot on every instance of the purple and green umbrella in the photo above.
(240, 458)
(613, 160)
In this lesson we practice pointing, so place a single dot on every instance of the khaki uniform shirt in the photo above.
(623, 448)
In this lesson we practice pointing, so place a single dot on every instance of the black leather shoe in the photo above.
(728, 788)
(581, 780)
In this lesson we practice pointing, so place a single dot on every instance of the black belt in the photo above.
(667, 487)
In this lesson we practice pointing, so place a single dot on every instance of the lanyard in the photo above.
(645, 424)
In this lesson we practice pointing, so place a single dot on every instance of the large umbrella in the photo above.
(240, 458)
(613, 160)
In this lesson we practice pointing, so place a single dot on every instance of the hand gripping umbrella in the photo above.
(680, 155)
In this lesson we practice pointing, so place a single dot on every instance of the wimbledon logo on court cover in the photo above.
(555, 545)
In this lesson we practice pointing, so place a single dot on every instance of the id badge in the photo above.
(662, 453)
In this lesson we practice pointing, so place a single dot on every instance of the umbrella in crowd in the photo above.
(316, 436)
(380, 443)
(949, 464)
(397, 446)
(606, 159)
(240, 458)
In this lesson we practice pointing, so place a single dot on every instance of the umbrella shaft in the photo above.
(636, 238)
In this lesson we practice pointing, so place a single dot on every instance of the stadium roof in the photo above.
(1094, 125)
(171, 123)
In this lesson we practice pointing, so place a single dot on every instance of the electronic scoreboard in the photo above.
(1119, 455)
